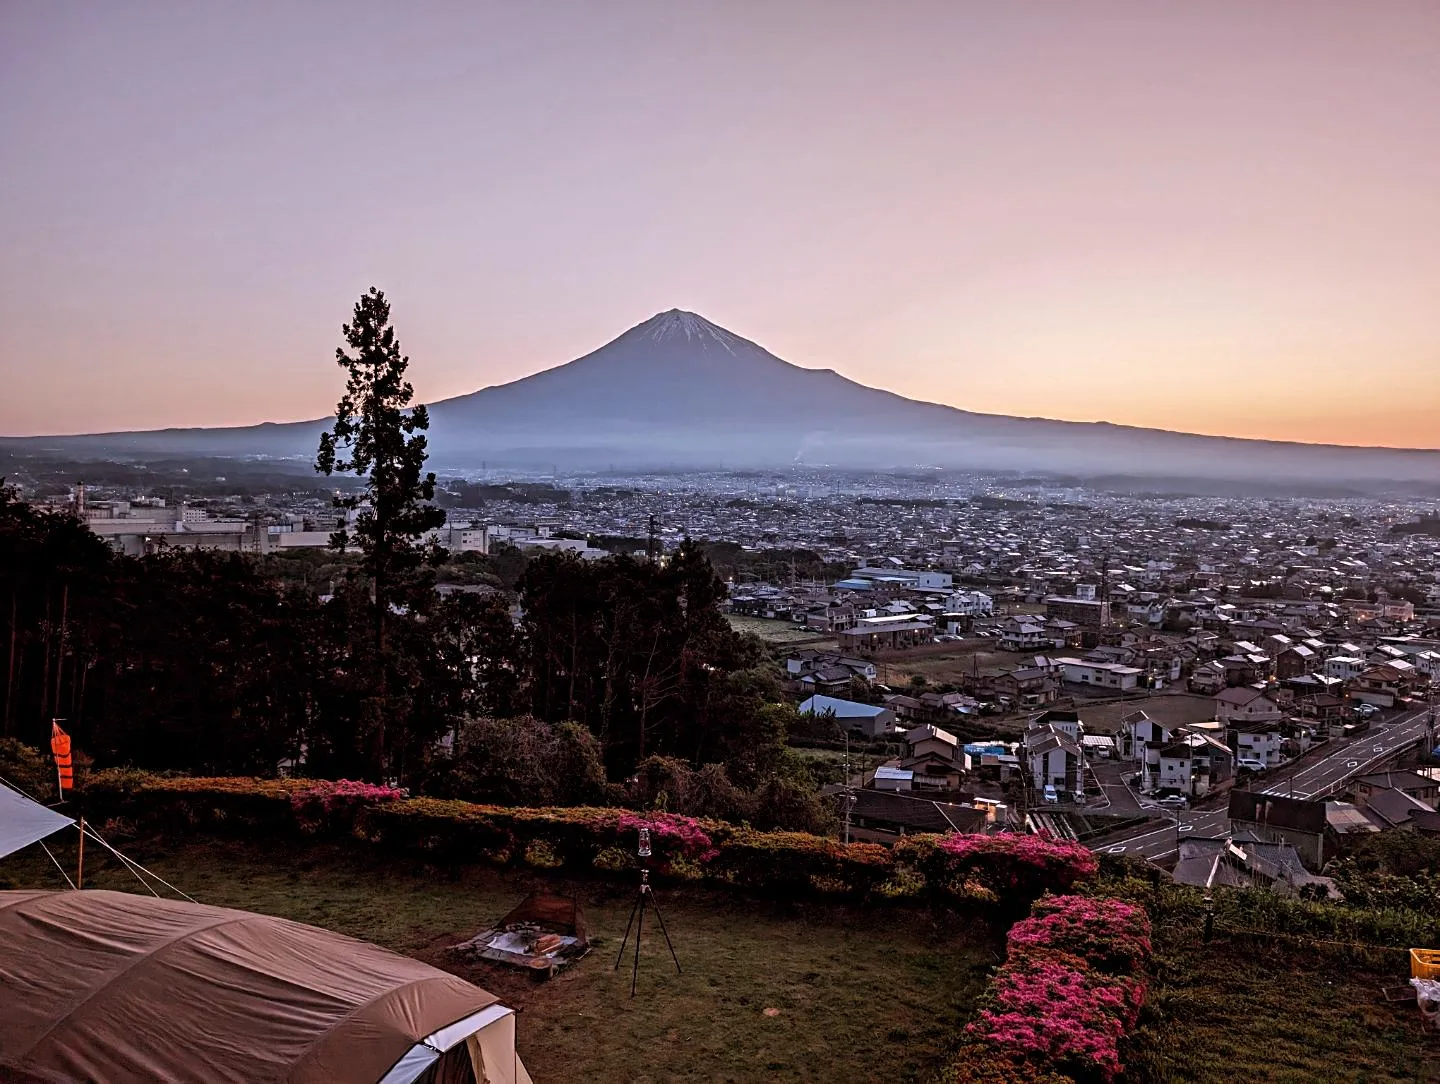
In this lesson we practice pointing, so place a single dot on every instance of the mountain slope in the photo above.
(678, 390)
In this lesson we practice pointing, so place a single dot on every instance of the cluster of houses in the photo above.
(940, 783)
(1283, 844)
(873, 609)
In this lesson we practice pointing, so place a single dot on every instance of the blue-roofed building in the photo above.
(871, 720)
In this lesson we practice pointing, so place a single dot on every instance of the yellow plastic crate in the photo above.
(1425, 963)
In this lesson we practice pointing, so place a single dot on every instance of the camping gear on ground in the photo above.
(544, 933)
(118, 987)
(1425, 977)
(1427, 996)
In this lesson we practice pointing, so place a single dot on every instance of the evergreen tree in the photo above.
(379, 437)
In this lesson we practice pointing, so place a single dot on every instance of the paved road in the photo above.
(1318, 779)
(1156, 840)
(1328, 775)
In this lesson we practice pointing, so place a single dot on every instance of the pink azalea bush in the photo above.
(671, 836)
(1011, 868)
(326, 798)
(1069, 992)
(1053, 1010)
(1110, 935)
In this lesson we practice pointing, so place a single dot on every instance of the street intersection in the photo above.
(1317, 778)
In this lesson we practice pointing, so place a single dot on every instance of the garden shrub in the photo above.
(331, 806)
(1068, 994)
(1109, 935)
(1009, 869)
(961, 870)
(1053, 1010)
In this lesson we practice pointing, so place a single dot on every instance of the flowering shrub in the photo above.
(1009, 868)
(1052, 1010)
(1068, 994)
(327, 794)
(1109, 935)
(672, 836)
(325, 802)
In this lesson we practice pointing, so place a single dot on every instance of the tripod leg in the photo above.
(639, 928)
(633, 911)
(666, 932)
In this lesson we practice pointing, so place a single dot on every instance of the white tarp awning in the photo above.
(23, 821)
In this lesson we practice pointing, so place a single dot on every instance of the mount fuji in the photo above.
(679, 391)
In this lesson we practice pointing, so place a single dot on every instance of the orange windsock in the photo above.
(60, 746)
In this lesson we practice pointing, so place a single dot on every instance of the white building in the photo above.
(1247, 705)
(970, 604)
(918, 579)
(1345, 667)
(1106, 675)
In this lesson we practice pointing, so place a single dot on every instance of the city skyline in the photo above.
(1215, 220)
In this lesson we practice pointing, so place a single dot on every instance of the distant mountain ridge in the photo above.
(680, 391)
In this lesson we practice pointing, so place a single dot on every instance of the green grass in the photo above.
(877, 995)
(1239, 1012)
(783, 633)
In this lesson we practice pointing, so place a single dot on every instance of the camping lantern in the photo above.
(644, 850)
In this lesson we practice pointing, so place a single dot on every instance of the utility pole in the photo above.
(1430, 722)
(848, 794)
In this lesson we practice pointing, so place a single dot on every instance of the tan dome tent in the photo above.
(117, 987)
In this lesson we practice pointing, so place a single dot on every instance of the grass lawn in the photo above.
(1236, 1013)
(783, 633)
(858, 996)
(950, 666)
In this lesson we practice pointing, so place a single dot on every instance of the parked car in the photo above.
(1366, 710)
(1051, 794)
(1250, 764)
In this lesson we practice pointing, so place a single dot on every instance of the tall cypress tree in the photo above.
(379, 437)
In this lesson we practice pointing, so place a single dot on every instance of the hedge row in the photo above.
(1066, 998)
(1004, 871)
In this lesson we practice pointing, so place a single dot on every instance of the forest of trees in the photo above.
(204, 662)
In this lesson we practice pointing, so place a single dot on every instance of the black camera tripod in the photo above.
(644, 896)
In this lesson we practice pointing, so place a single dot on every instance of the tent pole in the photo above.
(80, 862)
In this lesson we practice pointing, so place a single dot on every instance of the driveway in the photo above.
(1107, 775)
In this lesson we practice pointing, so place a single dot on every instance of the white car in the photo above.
(1250, 764)
(1366, 710)
(1173, 801)
(1051, 794)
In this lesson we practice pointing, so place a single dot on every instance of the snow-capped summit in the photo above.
(676, 324)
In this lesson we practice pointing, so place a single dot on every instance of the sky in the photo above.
(1221, 217)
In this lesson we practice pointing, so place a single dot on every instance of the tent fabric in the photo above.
(111, 986)
(492, 1054)
(24, 821)
(559, 914)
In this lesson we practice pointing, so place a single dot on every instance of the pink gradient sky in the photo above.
(1221, 216)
